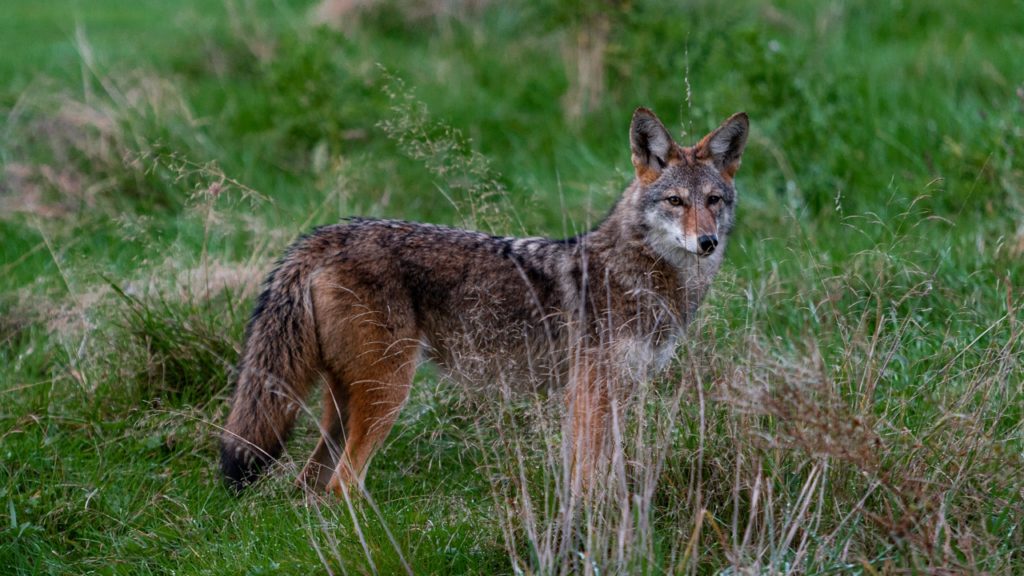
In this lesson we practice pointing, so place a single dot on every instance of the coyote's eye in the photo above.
(712, 200)
(674, 200)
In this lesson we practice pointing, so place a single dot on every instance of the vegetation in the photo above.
(850, 400)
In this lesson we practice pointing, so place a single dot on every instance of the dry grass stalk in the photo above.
(585, 67)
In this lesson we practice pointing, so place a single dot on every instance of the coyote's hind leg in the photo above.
(321, 464)
(370, 343)
(376, 389)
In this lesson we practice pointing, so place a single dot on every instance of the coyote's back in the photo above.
(358, 304)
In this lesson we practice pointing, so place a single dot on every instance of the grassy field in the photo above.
(849, 401)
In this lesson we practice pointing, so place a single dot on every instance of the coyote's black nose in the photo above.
(707, 243)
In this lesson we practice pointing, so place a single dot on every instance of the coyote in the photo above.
(358, 304)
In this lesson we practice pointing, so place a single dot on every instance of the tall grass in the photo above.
(775, 456)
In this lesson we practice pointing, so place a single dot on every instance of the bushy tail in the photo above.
(278, 366)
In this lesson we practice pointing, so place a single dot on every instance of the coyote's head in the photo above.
(685, 195)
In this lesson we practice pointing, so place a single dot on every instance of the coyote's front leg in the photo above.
(588, 403)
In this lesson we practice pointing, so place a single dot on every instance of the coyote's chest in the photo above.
(662, 313)
(642, 357)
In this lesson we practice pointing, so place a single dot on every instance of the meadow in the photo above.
(850, 399)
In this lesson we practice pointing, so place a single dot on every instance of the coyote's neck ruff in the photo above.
(359, 303)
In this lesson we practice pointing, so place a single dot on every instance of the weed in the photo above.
(187, 347)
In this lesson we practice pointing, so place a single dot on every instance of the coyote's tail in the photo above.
(278, 366)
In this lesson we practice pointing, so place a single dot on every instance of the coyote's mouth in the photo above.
(701, 247)
(690, 246)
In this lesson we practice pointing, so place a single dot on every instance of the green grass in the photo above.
(863, 341)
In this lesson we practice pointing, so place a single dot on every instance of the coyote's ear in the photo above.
(651, 144)
(725, 145)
